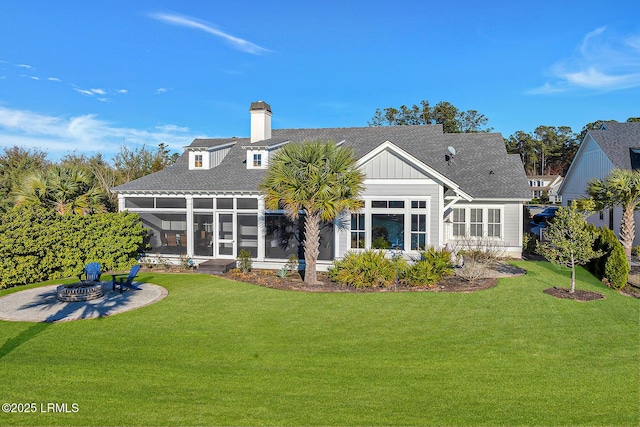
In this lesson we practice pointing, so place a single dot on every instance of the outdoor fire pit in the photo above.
(83, 291)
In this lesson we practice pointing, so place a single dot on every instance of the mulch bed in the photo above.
(293, 282)
(578, 295)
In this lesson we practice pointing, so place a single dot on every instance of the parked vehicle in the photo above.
(545, 216)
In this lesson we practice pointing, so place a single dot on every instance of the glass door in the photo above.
(225, 236)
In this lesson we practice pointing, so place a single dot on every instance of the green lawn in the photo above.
(216, 352)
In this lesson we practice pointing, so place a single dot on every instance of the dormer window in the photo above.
(257, 158)
(197, 160)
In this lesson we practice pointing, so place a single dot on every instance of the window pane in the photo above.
(387, 231)
(284, 237)
(396, 204)
(458, 215)
(378, 204)
(418, 241)
(357, 240)
(357, 222)
(225, 203)
(247, 203)
(167, 232)
(138, 202)
(476, 230)
(171, 202)
(247, 233)
(418, 204)
(476, 215)
(203, 203)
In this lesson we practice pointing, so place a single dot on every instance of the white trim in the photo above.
(453, 201)
(210, 149)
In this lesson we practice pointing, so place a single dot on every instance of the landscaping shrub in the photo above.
(37, 244)
(244, 261)
(529, 242)
(430, 268)
(613, 264)
(366, 269)
(374, 269)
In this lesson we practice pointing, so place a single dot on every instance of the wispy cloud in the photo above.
(161, 90)
(235, 42)
(97, 91)
(602, 62)
(53, 79)
(59, 135)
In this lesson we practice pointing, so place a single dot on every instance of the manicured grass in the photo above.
(216, 352)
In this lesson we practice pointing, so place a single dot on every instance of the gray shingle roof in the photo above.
(481, 167)
(616, 140)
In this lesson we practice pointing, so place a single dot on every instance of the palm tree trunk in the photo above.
(627, 230)
(311, 247)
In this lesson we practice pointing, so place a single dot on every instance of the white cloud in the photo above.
(53, 79)
(602, 62)
(84, 91)
(185, 21)
(122, 91)
(161, 90)
(59, 135)
(99, 91)
(29, 67)
(172, 128)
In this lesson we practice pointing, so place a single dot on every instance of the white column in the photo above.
(261, 229)
(190, 233)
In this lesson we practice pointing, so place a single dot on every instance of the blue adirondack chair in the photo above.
(91, 272)
(120, 282)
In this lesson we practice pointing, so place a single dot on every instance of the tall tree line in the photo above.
(77, 184)
(547, 150)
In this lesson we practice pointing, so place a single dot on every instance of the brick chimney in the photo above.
(260, 121)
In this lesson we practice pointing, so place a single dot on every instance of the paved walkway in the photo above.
(42, 305)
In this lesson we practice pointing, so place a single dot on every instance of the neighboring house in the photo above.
(614, 145)
(545, 184)
(423, 188)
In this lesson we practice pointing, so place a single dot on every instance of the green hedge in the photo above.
(613, 264)
(38, 244)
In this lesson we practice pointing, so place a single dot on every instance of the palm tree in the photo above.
(66, 189)
(620, 188)
(315, 177)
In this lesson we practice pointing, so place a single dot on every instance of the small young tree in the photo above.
(569, 242)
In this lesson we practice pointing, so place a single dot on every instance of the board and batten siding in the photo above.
(387, 165)
(216, 156)
(591, 162)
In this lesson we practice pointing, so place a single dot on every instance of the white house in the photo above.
(423, 188)
(545, 184)
(614, 145)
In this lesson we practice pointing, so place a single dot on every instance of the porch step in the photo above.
(216, 266)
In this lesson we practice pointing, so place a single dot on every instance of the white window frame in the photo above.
(485, 222)
(406, 211)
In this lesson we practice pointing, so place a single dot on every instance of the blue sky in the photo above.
(90, 76)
